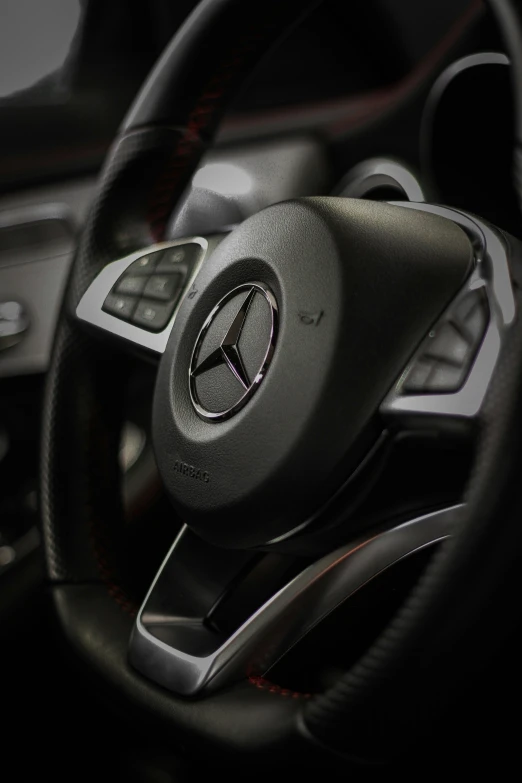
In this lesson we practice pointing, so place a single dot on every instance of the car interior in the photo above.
(260, 379)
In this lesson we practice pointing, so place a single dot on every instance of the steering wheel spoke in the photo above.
(445, 382)
(136, 298)
(214, 616)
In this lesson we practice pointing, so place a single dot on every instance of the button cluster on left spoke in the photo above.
(147, 293)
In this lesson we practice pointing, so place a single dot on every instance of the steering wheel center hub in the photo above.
(276, 367)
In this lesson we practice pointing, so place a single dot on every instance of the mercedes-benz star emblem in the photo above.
(229, 351)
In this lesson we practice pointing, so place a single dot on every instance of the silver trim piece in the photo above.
(91, 303)
(491, 273)
(438, 90)
(377, 173)
(230, 354)
(291, 613)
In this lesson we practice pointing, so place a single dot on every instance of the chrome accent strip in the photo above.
(380, 172)
(492, 274)
(286, 617)
(91, 303)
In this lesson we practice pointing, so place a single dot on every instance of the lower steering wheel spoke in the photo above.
(213, 616)
(136, 298)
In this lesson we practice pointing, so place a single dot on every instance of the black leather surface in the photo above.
(86, 380)
(210, 56)
(384, 277)
(241, 719)
(83, 522)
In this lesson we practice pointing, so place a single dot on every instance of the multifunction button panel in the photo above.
(147, 293)
(445, 358)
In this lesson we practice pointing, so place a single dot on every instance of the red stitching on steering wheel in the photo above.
(115, 590)
(265, 685)
(200, 118)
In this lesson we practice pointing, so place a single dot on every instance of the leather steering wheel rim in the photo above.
(171, 124)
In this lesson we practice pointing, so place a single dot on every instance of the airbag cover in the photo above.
(355, 285)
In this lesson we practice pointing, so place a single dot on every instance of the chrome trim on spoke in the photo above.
(274, 628)
(491, 273)
(91, 304)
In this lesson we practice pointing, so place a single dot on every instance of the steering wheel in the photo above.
(294, 353)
